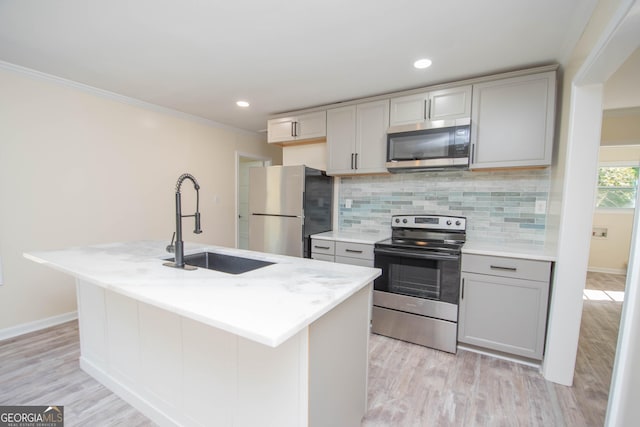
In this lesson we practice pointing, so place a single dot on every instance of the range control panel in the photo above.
(430, 222)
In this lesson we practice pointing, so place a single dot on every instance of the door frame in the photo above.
(618, 40)
(267, 161)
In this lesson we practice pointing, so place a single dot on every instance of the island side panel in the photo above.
(273, 383)
(180, 372)
(92, 323)
(210, 366)
(161, 369)
(338, 363)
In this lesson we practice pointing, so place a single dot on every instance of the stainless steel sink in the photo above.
(225, 263)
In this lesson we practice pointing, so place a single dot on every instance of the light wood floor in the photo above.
(409, 385)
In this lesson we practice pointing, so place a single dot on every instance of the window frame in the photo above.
(618, 164)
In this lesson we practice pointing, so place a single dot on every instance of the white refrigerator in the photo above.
(287, 204)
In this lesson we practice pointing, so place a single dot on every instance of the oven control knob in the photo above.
(458, 222)
(397, 220)
(448, 222)
(404, 221)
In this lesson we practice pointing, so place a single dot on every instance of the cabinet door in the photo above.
(312, 125)
(372, 121)
(280, 130)
(513, 122)
(453, 103)
(503, 314)
(406, 110)
(341, 140)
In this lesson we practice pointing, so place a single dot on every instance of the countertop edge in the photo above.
(274, 341)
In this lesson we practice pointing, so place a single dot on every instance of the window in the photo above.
(617, 187)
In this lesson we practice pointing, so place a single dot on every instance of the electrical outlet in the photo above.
(347, 203)
(599, 232)
(541, 207)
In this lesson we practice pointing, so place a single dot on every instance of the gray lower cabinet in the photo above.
(503, 304)
(342, 252)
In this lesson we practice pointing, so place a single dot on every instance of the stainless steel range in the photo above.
(416, 298)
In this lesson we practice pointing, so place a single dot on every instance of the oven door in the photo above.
(418, 274)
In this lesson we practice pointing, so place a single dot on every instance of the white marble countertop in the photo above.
(533, 252)
(268, 305)
(352, 236)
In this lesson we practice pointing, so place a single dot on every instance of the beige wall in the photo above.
(611, 254)
(621, 129)
(77, 168)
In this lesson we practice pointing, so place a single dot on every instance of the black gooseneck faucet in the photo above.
(179, 245)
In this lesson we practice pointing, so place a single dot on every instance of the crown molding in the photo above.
(117, 97)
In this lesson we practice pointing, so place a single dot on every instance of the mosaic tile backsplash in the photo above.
(499, 205)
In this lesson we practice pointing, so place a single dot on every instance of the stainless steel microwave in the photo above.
(434, 148)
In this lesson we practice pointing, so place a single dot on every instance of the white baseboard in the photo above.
(36, 325)
(127, 394)
(607, 270)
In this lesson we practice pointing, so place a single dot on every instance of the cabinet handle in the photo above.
(293, 132)
(321, 247)
(295, 128)
(352, 160)
(462, 291)
(356, 163)
(497, 267)
(428, 109)
(353, 251)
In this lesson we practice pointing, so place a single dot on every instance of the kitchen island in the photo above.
(282, 345)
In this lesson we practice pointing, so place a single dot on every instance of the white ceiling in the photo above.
(199, 57)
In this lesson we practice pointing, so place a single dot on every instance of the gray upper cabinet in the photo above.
(419, 110)
(512, 122)
(297, 128)
(357, 138)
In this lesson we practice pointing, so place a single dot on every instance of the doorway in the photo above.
(243, 163)
(616, 43)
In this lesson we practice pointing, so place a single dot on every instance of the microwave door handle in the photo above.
(415, 255)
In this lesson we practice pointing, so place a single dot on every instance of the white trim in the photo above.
(37, 325)
(619, 271)
(116, 96)
(619, 143)
(499, 356)
(619, 163)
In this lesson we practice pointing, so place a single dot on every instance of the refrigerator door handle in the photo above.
(283, 216)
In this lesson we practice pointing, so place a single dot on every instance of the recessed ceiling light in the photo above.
(243, 104)
(422, 63)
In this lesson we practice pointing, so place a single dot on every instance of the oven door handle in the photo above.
(408, 254)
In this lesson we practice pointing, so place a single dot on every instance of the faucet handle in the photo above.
(171, 247)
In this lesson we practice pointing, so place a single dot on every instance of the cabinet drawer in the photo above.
(354, 250)
(326, 247)
(322, 257)
(507, 267)
(354, 261)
